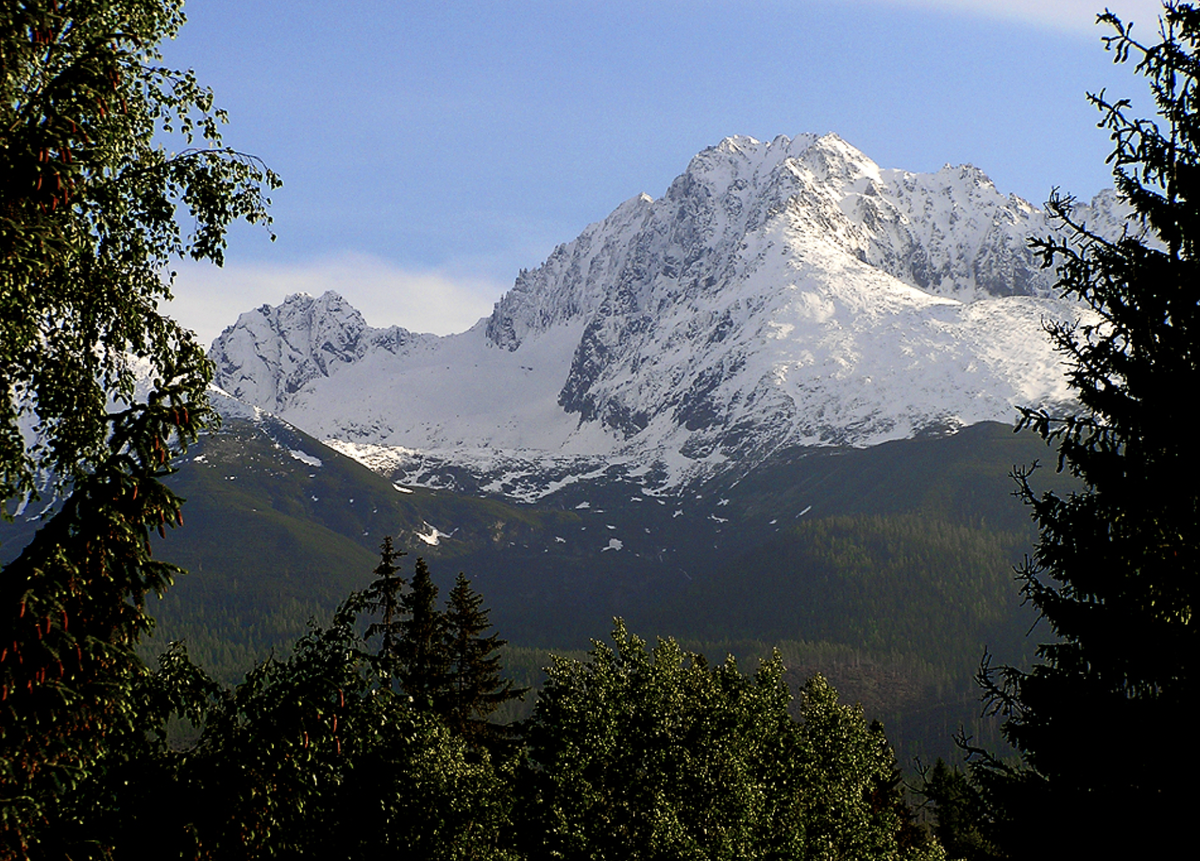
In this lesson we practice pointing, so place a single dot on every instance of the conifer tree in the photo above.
(72, 609)
(384, 597)
(959, 812)
(475, 688)
(421, 652)
(1115, 569)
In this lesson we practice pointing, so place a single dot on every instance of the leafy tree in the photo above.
(89, 224)
(1114, 571)
(654, 754)
(139, 789)
(651, 754)
(476, 688)
(319, 757)
(847, 770)
(316, 756)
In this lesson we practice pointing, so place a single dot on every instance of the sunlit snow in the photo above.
(305, 458)
(783, 293)
(434, 535)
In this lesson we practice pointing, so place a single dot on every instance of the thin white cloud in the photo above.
(207, 299)
(1077, 16)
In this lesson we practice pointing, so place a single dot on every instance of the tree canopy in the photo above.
(653, 753)
(94, 208)
(631, 753)
(1114, 571)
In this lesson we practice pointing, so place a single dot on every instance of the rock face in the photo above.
(781, 293)
(949, 233)
(271, 354)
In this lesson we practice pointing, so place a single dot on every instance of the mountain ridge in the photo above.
(782, 293)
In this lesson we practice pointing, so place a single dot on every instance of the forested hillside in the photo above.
(888, 569)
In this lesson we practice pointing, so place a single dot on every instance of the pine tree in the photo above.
(423, 660)
(475, 688)
(959, 812)
(383, 597)
(1115, 569)
(73, 608)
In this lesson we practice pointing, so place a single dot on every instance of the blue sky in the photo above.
(429, 150)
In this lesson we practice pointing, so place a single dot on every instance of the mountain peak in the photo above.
(789, 292)
(274, 352)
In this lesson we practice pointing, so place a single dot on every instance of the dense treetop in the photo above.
(1114, 571)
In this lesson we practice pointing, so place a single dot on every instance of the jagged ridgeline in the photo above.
(778, 294)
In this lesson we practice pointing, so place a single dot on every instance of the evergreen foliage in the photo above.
(871, 581)
(422, 659)
(445, 661)
(74, 606)
(1114, 572)
(383, 597)
(316, 757)
(630, 754)
(960, 812)
(476, 687)
(319, 757)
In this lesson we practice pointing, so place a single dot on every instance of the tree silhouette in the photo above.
(422, 657)
(475, 688)
(384, 597)
(72, 607)
(1114, 571)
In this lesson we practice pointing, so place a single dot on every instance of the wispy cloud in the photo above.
(208, 299)
(1073, 15)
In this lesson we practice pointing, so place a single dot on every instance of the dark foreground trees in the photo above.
(93, 210)
(72, 608)
(443, 660)
(321, 755)
(1115, 570)
(632, 753)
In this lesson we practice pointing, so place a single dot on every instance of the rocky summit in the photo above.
(779, 294)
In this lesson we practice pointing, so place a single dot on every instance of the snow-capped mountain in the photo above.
(278, 351)
(779, 294)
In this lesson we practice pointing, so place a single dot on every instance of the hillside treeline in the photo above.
(895, 610)
(372, 737)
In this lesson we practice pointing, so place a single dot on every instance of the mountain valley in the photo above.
(772, 407)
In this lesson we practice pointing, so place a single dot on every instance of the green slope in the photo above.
(888, 569)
